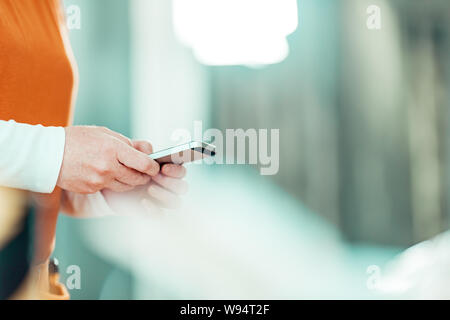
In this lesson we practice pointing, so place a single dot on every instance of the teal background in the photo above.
(102, 51)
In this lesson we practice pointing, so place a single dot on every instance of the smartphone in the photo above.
(185, 153)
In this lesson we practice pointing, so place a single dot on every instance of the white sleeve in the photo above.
(30, 156)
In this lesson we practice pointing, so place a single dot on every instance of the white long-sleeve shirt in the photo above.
(30, 156)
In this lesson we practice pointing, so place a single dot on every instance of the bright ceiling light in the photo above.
(236, 32)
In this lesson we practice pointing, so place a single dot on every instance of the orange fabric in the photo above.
(36, 74)
(37, 81)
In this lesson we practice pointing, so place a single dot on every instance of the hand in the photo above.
(162, 192)
(97, 158)
(166, 187)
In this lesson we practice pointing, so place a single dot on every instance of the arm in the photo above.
(78, 159)
(38, 158)
(31, 156)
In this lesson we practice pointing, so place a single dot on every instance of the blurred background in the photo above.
(364, 150)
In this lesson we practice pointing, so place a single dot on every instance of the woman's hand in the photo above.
(163, 192)
(97, 159)
(165, 189)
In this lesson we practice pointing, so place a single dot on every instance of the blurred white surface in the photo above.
(421, 272)
(238, 237)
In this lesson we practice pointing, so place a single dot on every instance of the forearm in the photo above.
(31, 156)
(86, 205)
(104, 203)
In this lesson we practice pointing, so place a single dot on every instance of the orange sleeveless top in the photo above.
(37, 82)
(36, 73)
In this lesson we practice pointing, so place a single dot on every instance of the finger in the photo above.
(174, 185)
(165, 198)
(143, 146)
(137, 160)
(118, 186)
(174, 171)
(131, 176)
(118, 136)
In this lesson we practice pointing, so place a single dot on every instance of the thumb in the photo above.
(137, 160)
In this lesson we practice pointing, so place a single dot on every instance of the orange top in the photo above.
(37, 81)
(36, 74)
